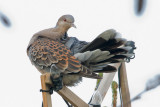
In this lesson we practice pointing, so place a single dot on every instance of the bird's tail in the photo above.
(108, 48)
(86, 72)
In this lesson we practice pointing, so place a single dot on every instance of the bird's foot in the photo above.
(57, 82)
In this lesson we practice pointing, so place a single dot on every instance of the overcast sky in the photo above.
(20, 81)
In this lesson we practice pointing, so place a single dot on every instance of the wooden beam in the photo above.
(46, 96)
(72, 98)
(124, 87)
(65, 92)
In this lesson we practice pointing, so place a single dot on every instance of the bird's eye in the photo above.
(65, 20)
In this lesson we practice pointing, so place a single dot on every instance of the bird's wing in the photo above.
(45, 52)
(109, 47)
(105, 39)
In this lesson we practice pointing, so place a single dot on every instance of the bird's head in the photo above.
(66, 22)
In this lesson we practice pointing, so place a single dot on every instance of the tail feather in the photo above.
(100, 40)
(86, 72)
(109, 47)
(91, 73)
(107, 69)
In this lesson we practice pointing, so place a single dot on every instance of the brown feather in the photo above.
(53, 52)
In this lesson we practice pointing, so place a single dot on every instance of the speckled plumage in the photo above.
(45, 52)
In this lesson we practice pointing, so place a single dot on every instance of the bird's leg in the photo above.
(57, 82)
(56, 78)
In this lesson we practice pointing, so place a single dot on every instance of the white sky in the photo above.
(20, 81)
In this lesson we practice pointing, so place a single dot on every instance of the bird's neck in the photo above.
(61, 29)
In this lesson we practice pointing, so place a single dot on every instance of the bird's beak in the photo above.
(72, 25)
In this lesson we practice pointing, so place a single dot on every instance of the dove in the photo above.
(69, 59)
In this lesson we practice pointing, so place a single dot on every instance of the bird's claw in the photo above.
(57, 82)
